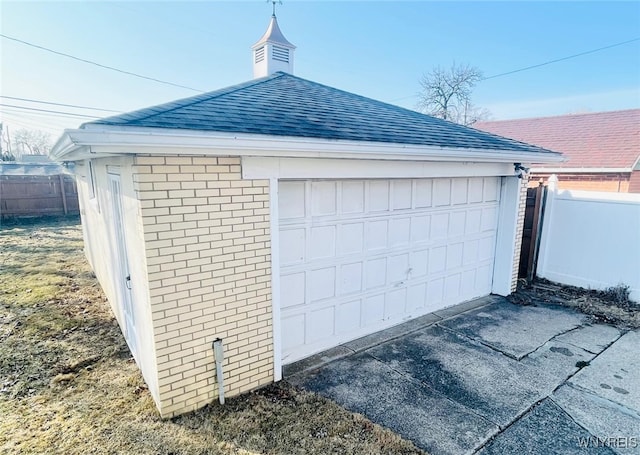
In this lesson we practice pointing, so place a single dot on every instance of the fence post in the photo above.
(534, 243)
(64, 196)
(552, 192)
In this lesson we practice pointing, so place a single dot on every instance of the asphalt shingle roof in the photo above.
(596, 140)
(286, 105)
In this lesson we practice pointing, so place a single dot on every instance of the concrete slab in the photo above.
(610, 422)
(532, 435)
(615, 373)
(393, 332)
(316, 360)
(514, 330)
(426, 417)
(467, 306)
(494, 386)
(593, 338)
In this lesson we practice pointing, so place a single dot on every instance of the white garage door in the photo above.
(359, 256)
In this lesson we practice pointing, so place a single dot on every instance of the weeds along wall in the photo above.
(98, 229)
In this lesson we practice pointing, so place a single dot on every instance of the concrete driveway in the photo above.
(490, 377)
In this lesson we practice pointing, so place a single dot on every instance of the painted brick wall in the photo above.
(209, 268)
(519, 229)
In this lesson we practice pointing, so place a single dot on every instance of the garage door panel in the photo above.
(491, 189)
(420, 228)
(291, 200)
(398, 268)
(401, 190)
(352, 197)
(457, 224)
(294, 286)
(399, 232)
(394, 304)
(322, 283)
(323, 198)
(416, 297)
(350, 278)
(419, 263)
(350, 238)
(322, 326)
(322, 242)
(459, 191)
(441, 192)
(348, 317)
(378, 195)
(292, 246)
(423, 193)
(359, 256)
(293, 328)
(437, 259)
(377, 233)
(475, 189)
(454, 256)
(376, 273)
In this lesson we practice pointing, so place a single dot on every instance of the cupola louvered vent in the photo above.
(280, 54)
(259, 54)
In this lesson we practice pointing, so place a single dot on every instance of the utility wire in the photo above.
(99, 64)
(58, 104)
(47, 110)
(560, 59)
(543, 64)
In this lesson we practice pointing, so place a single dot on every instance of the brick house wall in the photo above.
(611, 182)
(208, 253)
(634, 182)
(522, 206)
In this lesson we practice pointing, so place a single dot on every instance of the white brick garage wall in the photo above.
(357, 256)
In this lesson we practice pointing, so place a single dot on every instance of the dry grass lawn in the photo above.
(68, 384)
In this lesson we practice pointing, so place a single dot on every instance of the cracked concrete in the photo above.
(491, 377)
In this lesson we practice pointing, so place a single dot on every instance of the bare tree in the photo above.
(32, 142)
(446, 93)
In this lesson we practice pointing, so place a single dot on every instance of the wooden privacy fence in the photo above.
(37, 195)
(531, 232)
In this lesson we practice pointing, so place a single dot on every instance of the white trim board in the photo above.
(306, 168)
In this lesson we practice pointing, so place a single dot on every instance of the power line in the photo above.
(99, 64)
(543, 64)
(58, 104)
(561, 59)
(48, 111)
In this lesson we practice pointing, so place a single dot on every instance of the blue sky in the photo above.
(376, 49)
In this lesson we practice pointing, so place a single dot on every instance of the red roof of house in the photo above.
(599, 140)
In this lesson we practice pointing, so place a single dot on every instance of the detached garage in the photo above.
(283, 217)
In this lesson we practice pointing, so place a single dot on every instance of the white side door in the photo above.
(122, 274)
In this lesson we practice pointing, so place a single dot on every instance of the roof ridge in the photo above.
(181, 103)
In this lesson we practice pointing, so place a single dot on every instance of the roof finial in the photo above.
(274, 6)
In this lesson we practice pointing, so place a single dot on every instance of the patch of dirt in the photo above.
(609, 307)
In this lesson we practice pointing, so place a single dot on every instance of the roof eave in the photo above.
(101, 140)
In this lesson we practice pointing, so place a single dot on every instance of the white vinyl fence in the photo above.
(591, 239)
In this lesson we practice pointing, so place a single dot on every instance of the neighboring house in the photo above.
(286, 217)
(602, 149)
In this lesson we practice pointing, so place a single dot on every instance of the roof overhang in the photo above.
(105, 140)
